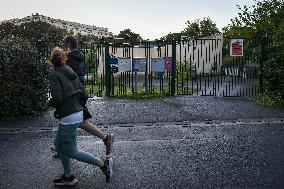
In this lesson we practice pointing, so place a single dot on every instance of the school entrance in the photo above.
(207, 67)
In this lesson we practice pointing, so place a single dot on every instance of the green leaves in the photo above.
(257, 20)
(129, 36)
(198, 29)
(23, 78)
(33, 31)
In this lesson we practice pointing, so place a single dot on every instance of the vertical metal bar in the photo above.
(198, 58)
(185, 68)
(132, 71)
(112, 84)
(204, 77)
(147, 66)
(169, 71)
(107, 71)
(192, 61)
(173, 89)
(180, 69)
(150, 78)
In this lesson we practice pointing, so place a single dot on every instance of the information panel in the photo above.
(158, 64)
(140, 64)
(124, 64)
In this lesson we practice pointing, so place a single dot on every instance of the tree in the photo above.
(33, 31)
(200, 28)
(87, 38)
(171, 36)
(264, 17)
(41, 31)
(7, 29)
(129, 36)
(196, 29)
(23, 78)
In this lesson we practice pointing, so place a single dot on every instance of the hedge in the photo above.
(23, 78)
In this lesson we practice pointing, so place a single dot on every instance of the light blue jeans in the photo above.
(66, 145)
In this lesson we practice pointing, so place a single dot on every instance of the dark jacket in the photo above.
(75, 60)
(68, 94)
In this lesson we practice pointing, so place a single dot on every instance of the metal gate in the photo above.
(139, 69)
(181, 67)
(206, 67)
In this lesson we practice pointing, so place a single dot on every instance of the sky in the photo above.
(151, 19)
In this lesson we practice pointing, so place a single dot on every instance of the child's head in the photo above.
(58, 57)
(70, 42)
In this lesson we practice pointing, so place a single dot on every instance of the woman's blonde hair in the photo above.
(58, 57)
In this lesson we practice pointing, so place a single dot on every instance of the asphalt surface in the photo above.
(176, 142)
(107, 111)
(226, 155)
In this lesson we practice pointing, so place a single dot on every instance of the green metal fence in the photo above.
(180, 67)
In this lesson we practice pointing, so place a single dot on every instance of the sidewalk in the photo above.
(109, 111)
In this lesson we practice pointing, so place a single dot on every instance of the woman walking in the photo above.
(69, 97)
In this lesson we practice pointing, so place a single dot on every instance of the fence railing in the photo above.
(193, 67)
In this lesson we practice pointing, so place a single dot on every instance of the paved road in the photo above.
(196, 155)
(171, 109)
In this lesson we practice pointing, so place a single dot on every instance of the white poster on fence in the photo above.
(124, 64)
(237, 47)
(140, 64)
(158, 64)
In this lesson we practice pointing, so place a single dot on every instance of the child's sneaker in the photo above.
(108, 143)
(64, 181)
(107, 169)
(53, 149)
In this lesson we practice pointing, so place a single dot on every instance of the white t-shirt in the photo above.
(76, 117)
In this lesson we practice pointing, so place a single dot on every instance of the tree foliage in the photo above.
(262, 18)
(129, 36)
(23, 78)
(33, 31)
(200, 28)
(197, 29)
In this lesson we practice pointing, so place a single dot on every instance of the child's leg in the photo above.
(92, 129)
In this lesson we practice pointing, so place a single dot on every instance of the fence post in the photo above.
(173, 78)
(264, 58)
(107, 71)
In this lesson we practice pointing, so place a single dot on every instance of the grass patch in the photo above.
(143, 95)
(97, 90)
(128, 92)
(140, 93)
(270, 99)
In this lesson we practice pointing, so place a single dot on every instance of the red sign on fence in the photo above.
(237, 47)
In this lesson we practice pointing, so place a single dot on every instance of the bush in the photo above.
(185, 71)
(274, 76)
(270, 99)
(23, 78)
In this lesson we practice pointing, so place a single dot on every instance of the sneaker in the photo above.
(53, 149)
(63, 181)
(107, 169)
(108, 143)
